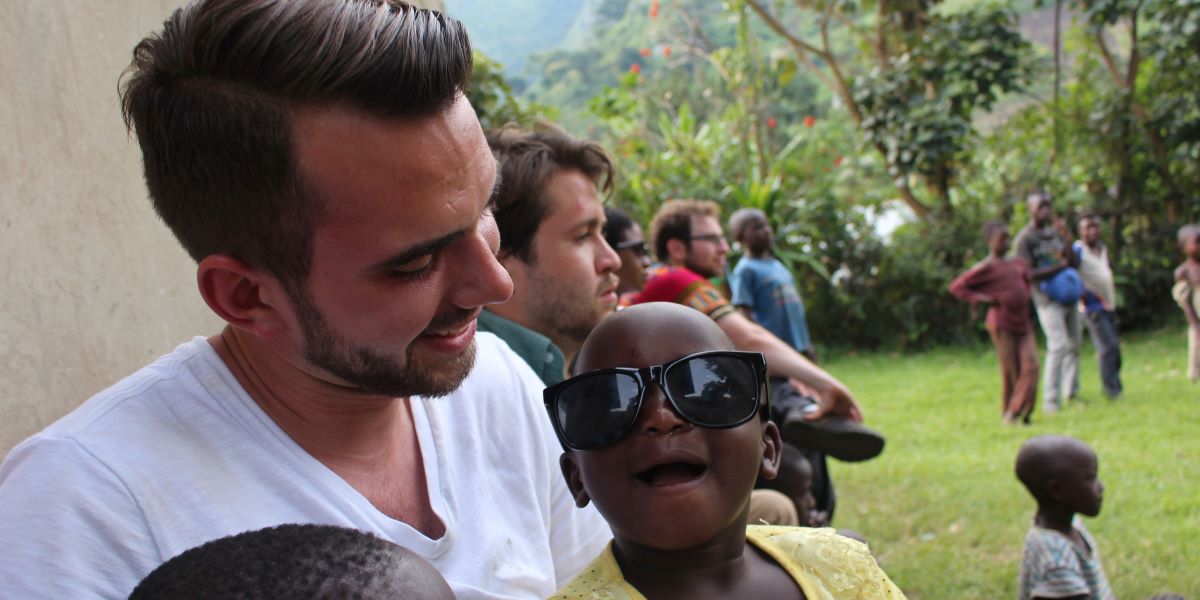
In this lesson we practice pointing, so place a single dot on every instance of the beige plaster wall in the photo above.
(93, 285)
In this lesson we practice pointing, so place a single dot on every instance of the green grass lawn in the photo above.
(947, 517)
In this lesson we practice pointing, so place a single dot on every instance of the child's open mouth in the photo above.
(672, 473)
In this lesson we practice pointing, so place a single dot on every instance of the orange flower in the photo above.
(654, 11)
(772, 122)
(645, 52)
(635, 68)
(666, 52)
(809, 121)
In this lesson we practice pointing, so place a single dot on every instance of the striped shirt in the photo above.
(1052, 566)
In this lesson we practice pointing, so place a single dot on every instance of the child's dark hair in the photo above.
(991, 227)
(617, 223)
(287, 561)
(1045, 457)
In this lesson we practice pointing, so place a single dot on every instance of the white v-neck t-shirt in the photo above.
(178, 454)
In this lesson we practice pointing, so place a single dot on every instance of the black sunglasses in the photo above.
(716, 390)
(638, 246)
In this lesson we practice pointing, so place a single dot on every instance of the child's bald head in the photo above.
(644, 328)
(1055, 467)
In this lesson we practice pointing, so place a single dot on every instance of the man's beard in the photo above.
(377, 373)
(701, 270)
(562, 312)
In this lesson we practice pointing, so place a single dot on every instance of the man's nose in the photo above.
(479, 278)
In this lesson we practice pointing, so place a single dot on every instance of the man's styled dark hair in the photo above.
(673, 221)
(211, 97)
(616, 224)
(527, 161)
(292, 561)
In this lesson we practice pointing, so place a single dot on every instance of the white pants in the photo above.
(1062, 326)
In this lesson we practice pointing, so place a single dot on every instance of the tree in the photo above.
(914, 94)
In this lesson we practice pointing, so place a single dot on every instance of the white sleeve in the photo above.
(70, 527)
(577, 535)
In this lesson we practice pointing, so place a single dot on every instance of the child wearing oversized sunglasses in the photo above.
(666, 430)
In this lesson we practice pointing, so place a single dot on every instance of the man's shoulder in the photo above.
(1024, 233)
(180, 374)
(503, 340)
(667, 283)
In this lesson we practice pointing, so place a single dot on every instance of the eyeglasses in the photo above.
(716, 390)
(638, 246)
(715, 238)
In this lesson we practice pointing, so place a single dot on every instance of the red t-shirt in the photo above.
(683, 286)
(1008, 283)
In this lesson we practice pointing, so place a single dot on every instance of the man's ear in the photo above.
(676, 250)
(245, 297)
(772, 451)
(570, 471)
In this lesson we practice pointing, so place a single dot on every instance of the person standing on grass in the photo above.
(1099, 302)
(1004, 284)
(763, 288)
(1047, 253)
(1187, 293)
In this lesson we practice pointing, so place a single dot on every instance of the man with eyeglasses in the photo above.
(689, 242)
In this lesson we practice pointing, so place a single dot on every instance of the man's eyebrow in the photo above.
(408, 255)
(592, 223)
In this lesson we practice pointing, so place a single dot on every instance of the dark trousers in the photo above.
(784, 399)
(1018, 371)
(1102, 326)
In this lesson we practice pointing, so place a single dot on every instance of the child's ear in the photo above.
(772, 451)
(1053, 488)
(570, 471)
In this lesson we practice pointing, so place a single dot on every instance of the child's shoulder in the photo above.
(1188, 271)
(823, 559)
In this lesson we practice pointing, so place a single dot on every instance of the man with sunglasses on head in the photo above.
(688, 240)
(625, 236)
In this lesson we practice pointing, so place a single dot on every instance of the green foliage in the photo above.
(510, 31)
(919, 108)
(721, 107)
(494, 100)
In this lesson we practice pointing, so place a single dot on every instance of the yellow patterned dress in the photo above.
(827, 566)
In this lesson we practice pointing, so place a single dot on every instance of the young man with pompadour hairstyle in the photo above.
(320, 162)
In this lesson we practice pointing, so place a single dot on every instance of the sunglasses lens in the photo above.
(596, 410)
(714, 391)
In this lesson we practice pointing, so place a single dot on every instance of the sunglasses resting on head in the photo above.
(715, 390)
